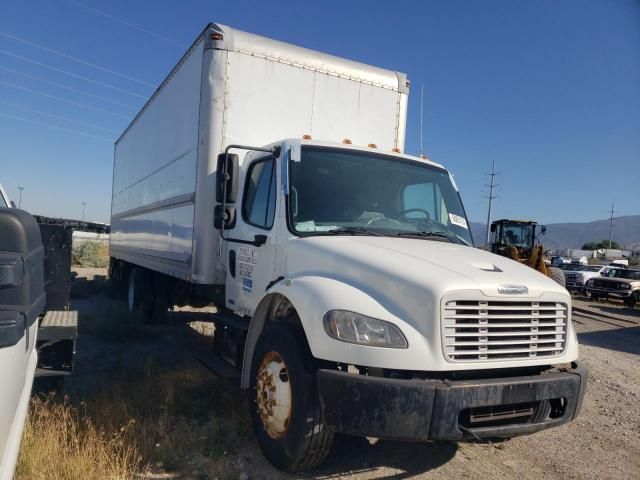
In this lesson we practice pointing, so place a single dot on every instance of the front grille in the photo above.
(573, 278)
(606, 284)
(475, 330)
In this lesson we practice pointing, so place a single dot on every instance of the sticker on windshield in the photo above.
(458, 220)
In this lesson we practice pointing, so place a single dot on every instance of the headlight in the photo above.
(590, 282)
(625, 286)
(355, 328)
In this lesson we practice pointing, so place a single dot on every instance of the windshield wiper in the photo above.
(353, 231)
(438, 236)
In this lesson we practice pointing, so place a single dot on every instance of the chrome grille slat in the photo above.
(504, 307)
(480, 330)
(505, 334)
(501, 316)
(504, 342)
(508, 325)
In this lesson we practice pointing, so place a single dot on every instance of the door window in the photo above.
(259, 206)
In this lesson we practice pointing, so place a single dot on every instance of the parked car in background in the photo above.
(619, 283)
(577, 275)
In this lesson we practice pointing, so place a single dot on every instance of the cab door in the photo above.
(251, 263)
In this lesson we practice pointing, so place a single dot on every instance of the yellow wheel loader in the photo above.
(518, 240)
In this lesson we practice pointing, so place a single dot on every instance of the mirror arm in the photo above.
(275, 151)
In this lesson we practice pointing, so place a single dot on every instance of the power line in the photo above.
(75, 59)
(15, 105)
(492, 185)
(55, 126)
(40, 79)
(71, 74)
(63, 99)
(128, 24)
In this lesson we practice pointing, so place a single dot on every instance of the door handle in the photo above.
(232, 263)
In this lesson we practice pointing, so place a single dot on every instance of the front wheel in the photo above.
(632, 300)
(285, 407)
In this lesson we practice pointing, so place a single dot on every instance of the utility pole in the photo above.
(492, 185)
(611, 224)
(84, 204)
(20, 197)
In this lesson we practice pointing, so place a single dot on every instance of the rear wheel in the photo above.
(557, 275)
(285, 406)
(139, 294)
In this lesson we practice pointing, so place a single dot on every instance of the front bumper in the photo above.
(609, 293)
(421, 410)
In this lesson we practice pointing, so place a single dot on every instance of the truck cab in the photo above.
(363, 261)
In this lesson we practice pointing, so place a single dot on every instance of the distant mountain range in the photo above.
(626, 232)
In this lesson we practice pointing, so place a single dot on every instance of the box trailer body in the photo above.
(241, 88)
(270, 181)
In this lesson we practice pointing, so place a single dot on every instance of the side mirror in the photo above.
(493, 227)
(543, 230)
(230, 177)
(13, 204)
(229, 217)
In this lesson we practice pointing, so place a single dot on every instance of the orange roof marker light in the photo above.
(372, 145)
(396, 150)
(217, 36)
(306, 136)
(346, 141)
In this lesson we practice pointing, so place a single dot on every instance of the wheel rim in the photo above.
(130, 294)
(273, 395)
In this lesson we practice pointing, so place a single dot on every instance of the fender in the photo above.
(312, 296)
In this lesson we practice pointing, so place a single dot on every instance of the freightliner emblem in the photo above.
(512, 289)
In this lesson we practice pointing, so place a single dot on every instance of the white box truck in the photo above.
(269, 180)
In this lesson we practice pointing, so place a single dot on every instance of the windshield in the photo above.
(581, 268)
(619, 273)
(334, 191)
(517, 234)
(572, 267)
(592, 268)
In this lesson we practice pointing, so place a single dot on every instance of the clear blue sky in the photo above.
(549, 89)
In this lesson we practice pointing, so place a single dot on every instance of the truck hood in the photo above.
(409, 279)
(403, 265)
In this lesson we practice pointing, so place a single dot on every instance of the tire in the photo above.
(557, 275)
(298, 440)
(632, 300)
(139, 294)
(118, 283)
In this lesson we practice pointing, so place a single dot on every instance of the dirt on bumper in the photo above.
(421, 410)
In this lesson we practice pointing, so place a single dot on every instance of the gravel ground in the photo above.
(604, 442)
